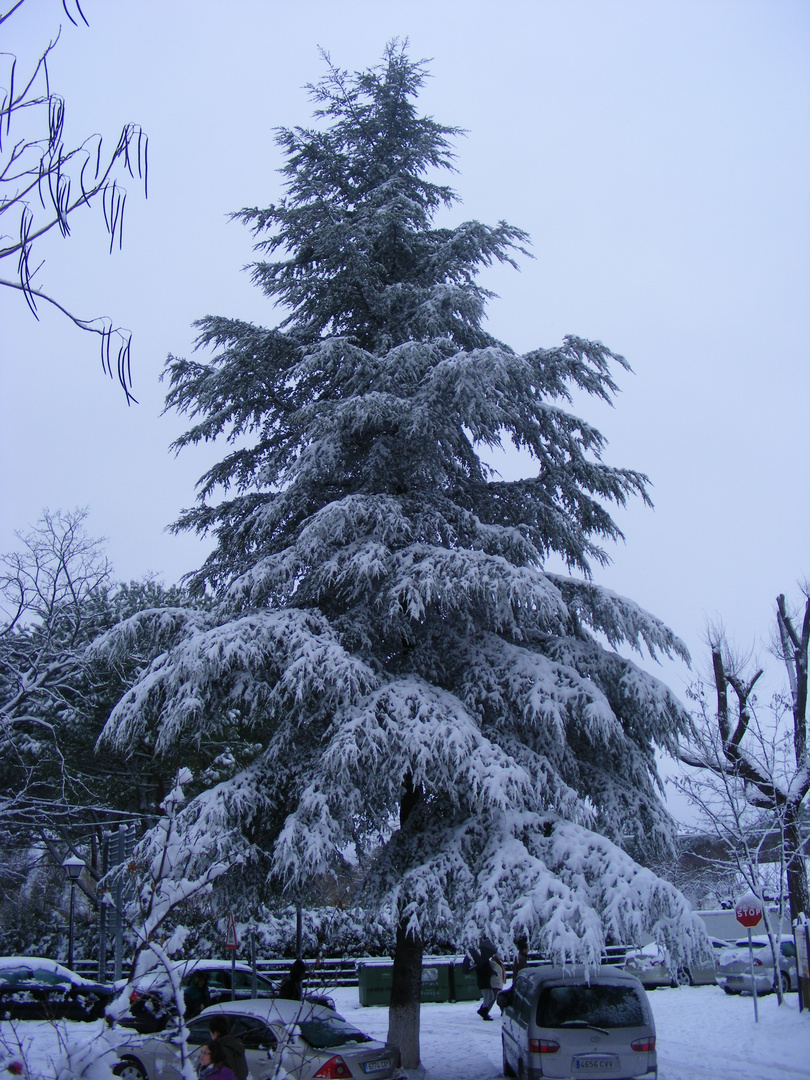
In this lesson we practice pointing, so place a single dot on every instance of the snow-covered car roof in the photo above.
(269, 1009)
(185, 967)
(652, 948)
(576, 973)
(41, 963)
(759, 939)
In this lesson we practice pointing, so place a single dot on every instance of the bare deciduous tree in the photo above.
(765, 764)
(52, 592)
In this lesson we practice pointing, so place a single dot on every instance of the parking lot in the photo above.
(702, 1035)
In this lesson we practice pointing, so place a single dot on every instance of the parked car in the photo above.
(292, 1038)
(734, 966)
(35, 988)
(651, 967)
(152, 1003)
(563, 1022)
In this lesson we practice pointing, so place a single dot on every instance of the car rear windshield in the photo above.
(330, 1031)
(599, 1005)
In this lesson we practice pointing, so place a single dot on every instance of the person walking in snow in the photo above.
(484, 973)
(497, 977)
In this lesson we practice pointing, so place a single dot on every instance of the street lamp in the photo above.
(73, 867)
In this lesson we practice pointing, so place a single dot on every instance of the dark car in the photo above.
(35, 988)
(152, 1004)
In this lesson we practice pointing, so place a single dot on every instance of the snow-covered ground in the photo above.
(702, 1035)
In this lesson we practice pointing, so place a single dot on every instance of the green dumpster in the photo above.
(465, 983)
(374, 980)
(436, 981)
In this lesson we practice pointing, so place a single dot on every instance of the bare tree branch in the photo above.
(43, 183)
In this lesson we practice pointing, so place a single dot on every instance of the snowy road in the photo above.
(702, 1035)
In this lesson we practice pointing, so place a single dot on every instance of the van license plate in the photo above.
(595, 1064)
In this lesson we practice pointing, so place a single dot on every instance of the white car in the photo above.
(734, 966)
(650, 966)
(299, 1039)
(564, 1022)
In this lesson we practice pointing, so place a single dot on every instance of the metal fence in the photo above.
(332, 971)
(329, 971)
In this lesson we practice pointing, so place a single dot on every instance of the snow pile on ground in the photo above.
(702, 1035)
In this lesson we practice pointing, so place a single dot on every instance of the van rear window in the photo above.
(603, 1006)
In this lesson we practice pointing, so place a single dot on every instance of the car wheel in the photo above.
(683, 977)
(728, 990)
(130, 1069)
(785, 978)
(507, 1068)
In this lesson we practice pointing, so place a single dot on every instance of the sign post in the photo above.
(749, 914)
(232, 943)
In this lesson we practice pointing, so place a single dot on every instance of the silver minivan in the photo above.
(572, 1021)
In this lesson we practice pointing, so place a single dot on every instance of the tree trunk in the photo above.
(406, 996)
(406, 984)
(796, 867)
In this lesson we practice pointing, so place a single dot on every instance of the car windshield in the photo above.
(598, 1004)
(10, 976)
(16, 976)
(46, 975)
(321, 1032)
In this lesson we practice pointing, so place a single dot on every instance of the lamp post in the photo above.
(73, 867)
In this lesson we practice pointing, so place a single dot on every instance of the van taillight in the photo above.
(543, 1046)
(643, 1044)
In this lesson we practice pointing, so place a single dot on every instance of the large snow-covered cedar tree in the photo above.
(424, 696)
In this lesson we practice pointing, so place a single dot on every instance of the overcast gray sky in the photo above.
(657, 152)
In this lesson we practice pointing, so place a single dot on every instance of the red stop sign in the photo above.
(748, 911)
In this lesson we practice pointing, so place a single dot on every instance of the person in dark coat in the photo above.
(291, 986)
(196, 995)
(483, 975)
(220, 1029)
